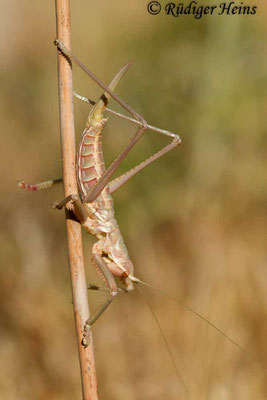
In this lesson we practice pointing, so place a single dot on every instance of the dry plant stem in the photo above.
(78, 281)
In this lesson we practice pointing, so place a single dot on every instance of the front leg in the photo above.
(110, 285)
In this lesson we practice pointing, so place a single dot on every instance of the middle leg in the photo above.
(79, 210)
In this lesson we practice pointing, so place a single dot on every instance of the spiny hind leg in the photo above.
(118, 182)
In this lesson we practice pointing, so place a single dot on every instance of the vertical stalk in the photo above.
(67, 132)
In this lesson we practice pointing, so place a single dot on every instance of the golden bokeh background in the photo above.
(194, 222)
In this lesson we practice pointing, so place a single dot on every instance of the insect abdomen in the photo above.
(90, 162)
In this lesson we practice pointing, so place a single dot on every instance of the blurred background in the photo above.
(194, 222)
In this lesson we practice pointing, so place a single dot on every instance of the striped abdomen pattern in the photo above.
(90, 163)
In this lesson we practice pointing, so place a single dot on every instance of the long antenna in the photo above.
(165, 342)
(188, 308)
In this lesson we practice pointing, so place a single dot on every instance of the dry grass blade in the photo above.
(78, 282)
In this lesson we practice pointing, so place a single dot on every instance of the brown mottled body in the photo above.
(101, 223)
(93, 207)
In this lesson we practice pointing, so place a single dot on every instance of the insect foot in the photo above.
(86, 335)
(72, 198)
